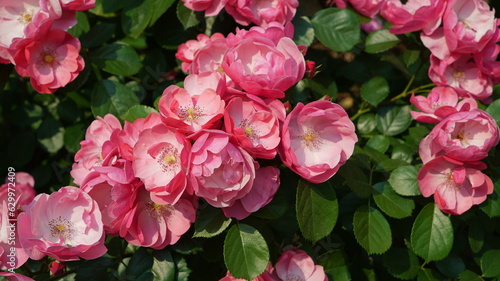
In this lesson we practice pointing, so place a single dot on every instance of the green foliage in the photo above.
(338, 29)
(372, 230)
(379, 41)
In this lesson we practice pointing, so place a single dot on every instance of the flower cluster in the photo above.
(462, 37)
(34, 38)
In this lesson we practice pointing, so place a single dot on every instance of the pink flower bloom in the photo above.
(187, 51)
(57, 268)
(261, 13)
(463, 74)
(265, 185)
(368, 8)
(317, 138)
(254, 126)
(374, 25)
(211, 7)
(298, 265)
(464, 136)
(439, 104)
(414, 15)
(265, 276)
(65, 225)
(273, 31)
(91, 151)
(161, 162)
(58, 6)
(15, 276)
(191, 112)
(9, 240)
(468, 26)
(154, 225)
(24, 190)
(456, 185)
(15, 16)
(221, 172)
(263, 68)
(51, 59)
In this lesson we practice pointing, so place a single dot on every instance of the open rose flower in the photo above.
(260, 12)
(298, 265)
(263, 68)
(456, 185)
(368, 8)
(186, 52)
(211, 7)
(464, 136)
(439, 104)
(66, 225)
(161, 162)
(154, 225)
(317, 138)
(414, 15)
(221, 172)
(24, 186)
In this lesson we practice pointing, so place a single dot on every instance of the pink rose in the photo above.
(463, 74)
(154, 225)
(190, 112)
(456, 185)
(91, 151)
(263, 68)
(51, 59)
(254, 126)
(464, 136)
(186, 52)
(211, 7)
(368, 8)
(15, 276)
(161, 162)
(65, 225)
(221, 172)
(298, 265)
(317, 138)
(261, 13)
(439, 104)
(24, 190)
(265, 185)
(8, 230)
(414, 15)
(273, 31)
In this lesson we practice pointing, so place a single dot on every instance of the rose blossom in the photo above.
(317, 139)
(264, 187)
(24, 189)
(464, 136)
(260, 12)
(15, 276)
(263, 68)
(414, 15)
(161, 162)
(439, 104)
(154, 225)
(368, 8)
(221, 172)
(65, 225)
(7, 259)
(186, 52)
(211, 7)
(456, 185)
(298, 265)
(91, 151)
(253, 125)
(51, 59)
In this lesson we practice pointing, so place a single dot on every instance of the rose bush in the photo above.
(249, 140)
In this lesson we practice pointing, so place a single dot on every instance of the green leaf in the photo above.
(117, 59)
(357, 179)
(489, 263)
(451, 266)
(401, 263)
(82, 25)
(304, 31)
(210, 222)
(112, 97)
(492, 204)
(388, 165)
(366, 123)
(107, 8)
(96, 270)
(336, 266)
(73, 135)
(410, 56)
(98, 34)
(390, 202)
(139, 266)
(182, 270)
(372, 230)
(245, 252)
(160, 6)
(432, 234)
(403, 152)
(317, 209)
(379, 142)
(476, 236)
(393, 120)
(375, 90)
(338, 29)
(186, 16)
(163, 266)
(50, 135)
(138, 111)
(404, 181)
(136, 16)
(427, 274)
(468, 275)
(379, 41)
(494, 110)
